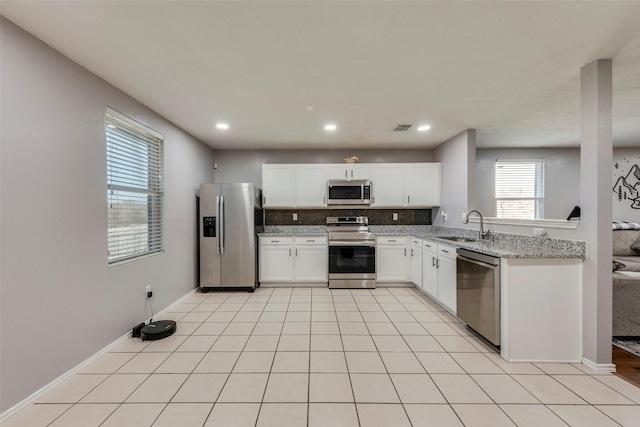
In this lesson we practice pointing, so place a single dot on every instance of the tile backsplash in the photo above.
(376, 216)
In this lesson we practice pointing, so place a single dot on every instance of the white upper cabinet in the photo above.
(393, 185)
(422, 184)
(387, 184)
(311, 186)
(349, 171)
(278, 186)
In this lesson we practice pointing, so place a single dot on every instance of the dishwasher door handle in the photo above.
(476, 262)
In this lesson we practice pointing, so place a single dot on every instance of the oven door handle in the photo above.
(343, 243)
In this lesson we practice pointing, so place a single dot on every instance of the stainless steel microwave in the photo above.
(355, 192)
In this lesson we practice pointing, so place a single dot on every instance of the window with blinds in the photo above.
(520, 189)
(135, 192)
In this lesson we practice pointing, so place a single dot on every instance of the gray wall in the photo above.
(61, 303)
(625, 158)
(562, 178)
(457, 156)
(246, 166)
(561, 185)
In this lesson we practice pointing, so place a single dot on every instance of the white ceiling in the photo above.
(508, 69)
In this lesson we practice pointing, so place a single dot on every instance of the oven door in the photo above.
(352, 260)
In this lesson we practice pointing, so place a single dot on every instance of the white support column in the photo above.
(596, 156)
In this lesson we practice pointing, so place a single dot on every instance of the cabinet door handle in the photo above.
(391, 240)
(264, 200)
(408, 199)
(345, 173)
(289, 251)
(275, 241)
(437, 263)
(405, 251)
(324, 200)
(351, 173)
(296, 252)
(412, 252)
(433, 262)
(374, 200)
(445, 251)
(310, 241)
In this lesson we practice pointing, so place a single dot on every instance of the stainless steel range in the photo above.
(352, 253)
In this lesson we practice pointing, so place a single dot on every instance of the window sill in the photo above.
(138, 258)
(546, 223)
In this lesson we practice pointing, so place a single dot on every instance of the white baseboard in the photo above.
(598, 367)
(295, 285)
(394, 285)
(33, 397)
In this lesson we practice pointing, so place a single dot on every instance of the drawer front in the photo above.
(429, 246)
(317, 240)
(391, 240)
(416, 243)
(447, 251)
(276, 240)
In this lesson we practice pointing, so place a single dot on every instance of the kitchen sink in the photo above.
(457, 239)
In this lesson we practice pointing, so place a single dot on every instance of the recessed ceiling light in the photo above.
(330, 127)
(424, 128)
(222, 126)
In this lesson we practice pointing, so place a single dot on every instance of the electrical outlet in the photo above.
(464, 216)
(539, 232)
(395, 216)
(295, 216)
(148, 291)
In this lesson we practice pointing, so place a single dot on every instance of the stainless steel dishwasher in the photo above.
(478, 293)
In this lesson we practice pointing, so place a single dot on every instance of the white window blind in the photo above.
(520, 189)
(135, 192)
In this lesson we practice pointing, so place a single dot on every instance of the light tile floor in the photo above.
(319, 357)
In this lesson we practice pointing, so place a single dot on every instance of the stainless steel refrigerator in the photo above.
(230, 216)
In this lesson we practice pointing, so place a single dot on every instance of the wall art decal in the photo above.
(627, 186)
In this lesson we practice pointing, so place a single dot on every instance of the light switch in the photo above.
(395, 216)
(295, 216)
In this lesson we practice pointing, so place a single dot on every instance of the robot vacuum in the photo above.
(158, 330)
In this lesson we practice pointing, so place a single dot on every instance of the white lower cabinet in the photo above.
(275, 260)
(439, 273)
(447, 277)
(311, 259)
(392, 260)
(430, 268)
(416, 261)
(293, 259)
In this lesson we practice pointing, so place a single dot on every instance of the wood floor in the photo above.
(627, 365)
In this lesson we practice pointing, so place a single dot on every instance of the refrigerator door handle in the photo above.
(218, 224)
(221, 238)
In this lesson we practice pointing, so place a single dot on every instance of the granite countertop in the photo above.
(504, 249)
(506, 246)
(294, 234)
(493, 248)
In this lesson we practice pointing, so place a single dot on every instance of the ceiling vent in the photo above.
(402, 128)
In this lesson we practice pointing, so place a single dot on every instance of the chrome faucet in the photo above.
(482, 233)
